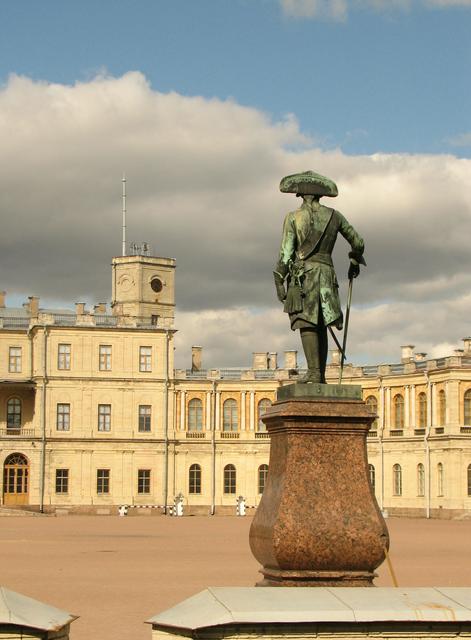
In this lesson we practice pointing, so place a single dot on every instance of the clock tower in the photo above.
(144, 287)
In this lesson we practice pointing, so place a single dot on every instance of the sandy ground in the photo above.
(117, 572)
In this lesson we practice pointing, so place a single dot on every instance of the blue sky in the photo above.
(378, 80)
(206, 105)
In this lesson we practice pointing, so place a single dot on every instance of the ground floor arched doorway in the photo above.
(15, 479)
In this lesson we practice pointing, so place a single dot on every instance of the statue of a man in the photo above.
(311, 298)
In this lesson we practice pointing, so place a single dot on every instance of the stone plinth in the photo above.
(318, 523)
(23, 618)
(242, 613)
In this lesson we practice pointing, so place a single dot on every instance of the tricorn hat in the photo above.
(309, 183)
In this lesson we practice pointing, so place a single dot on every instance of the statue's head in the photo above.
(309, 183)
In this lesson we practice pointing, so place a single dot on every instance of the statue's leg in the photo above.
(323, 349)
(310, 342)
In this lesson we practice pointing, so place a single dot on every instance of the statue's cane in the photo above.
(345, 331)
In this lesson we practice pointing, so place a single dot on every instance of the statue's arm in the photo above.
(287, 249)
(357, 244)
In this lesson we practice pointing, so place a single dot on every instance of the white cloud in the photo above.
(460, 140)
(203, 187)
(334, 9)
(338, 9)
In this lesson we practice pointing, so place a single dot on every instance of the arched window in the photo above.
(397, 480)
(442, 407)
(372, 404)
(194, 479)
(230, 415)
(229, 478)
(440, 479)
(469, 480)
(422, 409)
(398, 403)
(467, 408)
(262, 407)
(372, 473)
(14, 413)
(195, 415)
(420, 479)
(262, 477)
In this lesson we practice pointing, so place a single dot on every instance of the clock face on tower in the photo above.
(156, 285)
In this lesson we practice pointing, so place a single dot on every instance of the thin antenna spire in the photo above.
(124, 215)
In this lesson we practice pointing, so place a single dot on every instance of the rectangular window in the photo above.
(14, 360)
(143, 481)
(104, 417)
(145, 414)
(105, 357)
(102, 480)
(63, 357)
(62, 481)
(63, 417)
(145, 358)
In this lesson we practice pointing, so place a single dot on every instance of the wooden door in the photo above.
(15, 480)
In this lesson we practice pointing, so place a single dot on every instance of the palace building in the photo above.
(93, 414)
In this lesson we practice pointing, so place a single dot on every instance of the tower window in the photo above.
(156, 285)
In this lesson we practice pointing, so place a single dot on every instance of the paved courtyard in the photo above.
(117, 572)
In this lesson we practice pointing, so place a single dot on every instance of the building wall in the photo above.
(164, 454)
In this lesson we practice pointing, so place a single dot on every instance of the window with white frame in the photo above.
(143, 481)
(104, 417)
(62, 481)
(145, 358)
(14, 360)
(194, 479)
(13, 413)
(262, 477)
(262, 407)
(195, 415)
(102, 481)
(104, 357)
(63, 416)
(397, 480)
(145, 417)
(63, 357)
(420, 480)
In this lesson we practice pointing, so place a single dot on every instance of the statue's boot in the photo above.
(310, 341)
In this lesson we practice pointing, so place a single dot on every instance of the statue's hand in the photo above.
(353, 270)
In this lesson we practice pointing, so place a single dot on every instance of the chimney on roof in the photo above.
(33, 306)
(196, 358)
(260, 360)
(80, 308)
(291, 360)
(335, 357)
(2, 299)
(100, 307)
(407, 353)
(420, 356)
(273, 360)
(467, 344)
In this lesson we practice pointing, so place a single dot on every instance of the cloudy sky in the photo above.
(206, 105)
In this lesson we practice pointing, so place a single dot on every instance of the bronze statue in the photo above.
(311, 298)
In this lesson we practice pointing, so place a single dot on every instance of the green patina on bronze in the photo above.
(309, 183)
(305, 264)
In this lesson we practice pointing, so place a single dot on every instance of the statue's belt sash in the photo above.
(318, 229)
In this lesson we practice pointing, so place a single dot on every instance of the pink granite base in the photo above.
(318, 523)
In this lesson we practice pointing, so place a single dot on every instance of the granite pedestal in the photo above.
(318, 522)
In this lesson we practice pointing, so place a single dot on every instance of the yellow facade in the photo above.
(93, 414)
